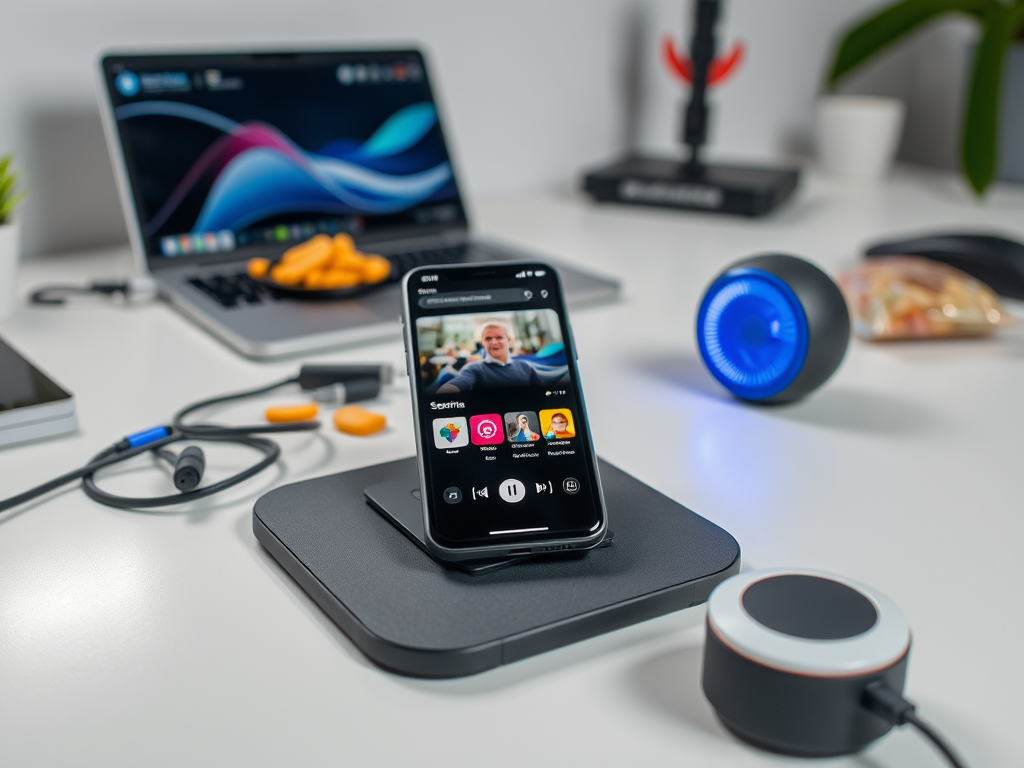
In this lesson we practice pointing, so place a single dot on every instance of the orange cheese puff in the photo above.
(298, 251)
(257, 268)
(344, 243)
(280, 273)
(340, 278)
(314, 279)
(295, 271)
(376, 269)
(286, 413)
(355, 420)
(349, 260)
(316, 251)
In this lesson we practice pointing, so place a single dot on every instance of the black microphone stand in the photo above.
(702, 52)
(692, 184)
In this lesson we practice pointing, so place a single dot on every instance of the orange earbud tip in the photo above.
(288, 413)
(354, 420)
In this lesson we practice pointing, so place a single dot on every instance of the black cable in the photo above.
(208, 433)
(131, 289)
(350, 382)
(940, 743)
(169, 456)
(104, 459)
(890, 705)
(270, 449)
(178, 431)
(196, 430)
(56, 294)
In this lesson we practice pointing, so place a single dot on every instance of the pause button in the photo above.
(512, 491)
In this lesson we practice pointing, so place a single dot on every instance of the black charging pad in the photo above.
(416, 617)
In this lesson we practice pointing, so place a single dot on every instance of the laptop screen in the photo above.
(242, 152)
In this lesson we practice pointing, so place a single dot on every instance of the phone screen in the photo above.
(505, 446)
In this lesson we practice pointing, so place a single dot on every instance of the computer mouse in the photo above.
(994, 260)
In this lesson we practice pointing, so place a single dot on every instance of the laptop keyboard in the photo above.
(404, 262)
(238, 289)
(233, 290)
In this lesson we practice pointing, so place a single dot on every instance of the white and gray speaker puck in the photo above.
(789, 654)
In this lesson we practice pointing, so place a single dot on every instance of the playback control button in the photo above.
(512, 491)
(453, 495)
(571, 486)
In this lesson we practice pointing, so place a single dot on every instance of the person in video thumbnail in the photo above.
(523, 433)
(497, 369)
(559, 429)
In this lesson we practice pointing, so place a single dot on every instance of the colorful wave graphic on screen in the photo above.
(258, 172)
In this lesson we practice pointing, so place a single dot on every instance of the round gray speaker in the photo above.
(790, 653)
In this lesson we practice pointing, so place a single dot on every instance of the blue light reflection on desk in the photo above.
(730, 454)
(766, 480)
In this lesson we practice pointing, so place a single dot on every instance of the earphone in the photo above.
(188, 468)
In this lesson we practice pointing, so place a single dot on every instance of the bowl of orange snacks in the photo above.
(322, 266)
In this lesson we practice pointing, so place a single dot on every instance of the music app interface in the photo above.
(508, 456)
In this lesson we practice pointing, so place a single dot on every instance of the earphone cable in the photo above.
(104, 459)
(199, 430)
(157, 438)
(270, 449)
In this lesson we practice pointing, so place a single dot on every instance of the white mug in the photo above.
(858, 135)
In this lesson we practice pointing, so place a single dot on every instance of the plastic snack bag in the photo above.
(908, 297)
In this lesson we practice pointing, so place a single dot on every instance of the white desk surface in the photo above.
(172, 638)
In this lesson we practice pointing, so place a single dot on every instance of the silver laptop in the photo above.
(222, 157)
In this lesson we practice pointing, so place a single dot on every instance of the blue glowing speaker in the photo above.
(772, 328)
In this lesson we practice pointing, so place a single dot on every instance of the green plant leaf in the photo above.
(981, 122)
(9, 197)
(885, 28)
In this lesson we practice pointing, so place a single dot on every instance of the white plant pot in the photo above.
(858, 135)
(8, 268)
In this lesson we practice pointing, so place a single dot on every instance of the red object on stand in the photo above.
(721, 68)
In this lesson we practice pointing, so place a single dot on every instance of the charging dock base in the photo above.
(667, 183)
(412, 615)
(399, 502)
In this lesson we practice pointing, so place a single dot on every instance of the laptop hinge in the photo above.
(423, 242)
(386, 246)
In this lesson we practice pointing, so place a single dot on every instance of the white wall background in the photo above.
(533, 90)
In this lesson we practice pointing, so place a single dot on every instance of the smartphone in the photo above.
(506, 460)
(31, 405)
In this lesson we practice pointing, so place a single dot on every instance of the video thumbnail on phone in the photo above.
(461, 353)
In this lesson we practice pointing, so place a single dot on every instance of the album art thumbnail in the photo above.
(522, 426)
